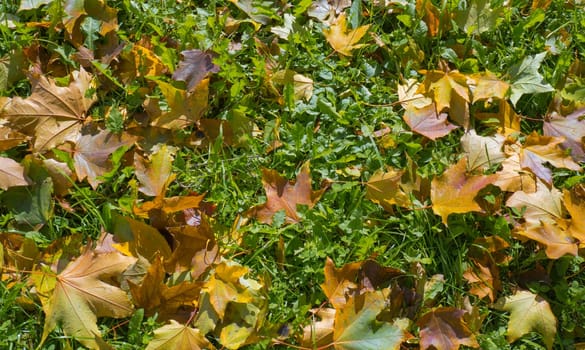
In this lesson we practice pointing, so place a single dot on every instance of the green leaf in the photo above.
(356, 327)
(526, 79)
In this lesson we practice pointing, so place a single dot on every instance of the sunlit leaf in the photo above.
(284, 195)
(179, 337)
(92, 154)
(529, 313)
(454, 191)
(52, 114)
(194, 66)
(83, 292)
(11, 174)
(572, 129)
(343, 40)
(356, 327)
(155, 173)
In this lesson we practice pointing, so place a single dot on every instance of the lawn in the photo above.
(326, 174)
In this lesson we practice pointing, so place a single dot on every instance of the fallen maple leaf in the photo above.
(194, 66)
(513, 178)
(572, 128)
(284, 195)
(179, 337)
(544, 222)
(384, 188)
(12, 174)
(454, 191)
(449, 90)
(155, 173)
(9, 138)
(427, 122)
(482, 151)
(52, 114)
(185, 107)
(302, 86)
(136, 238)
(80, 294)
(319, 333)
(445, 329)
(92, 152)
(343, 40)
(529, 312)
(356, 277)
(152, 294)
(540, 149)
(356, 327)
(487, 86)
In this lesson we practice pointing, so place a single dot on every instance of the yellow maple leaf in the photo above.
(342, 40)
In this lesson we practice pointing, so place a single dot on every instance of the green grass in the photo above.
(353, 97)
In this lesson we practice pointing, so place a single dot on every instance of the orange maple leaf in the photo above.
(284, 195)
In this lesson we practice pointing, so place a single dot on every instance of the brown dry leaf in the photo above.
(194, 66)
(195, 249)
(185, 107)
(135, 238)
(430, 14)
(92, 153)
(282, 194)
(178, 337)
(10, 138)
(454, 191)
(445, 329)
(176, 302)
(358, 277)
(81, 293)
(483, 273)
(52, 114)
(343, 40)
(572, 128)
(155, 173)
(12, 174)
(538, 150)
(529, 312)
(97, 9)
(482, 151)
(319, 333)
(484, 280)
